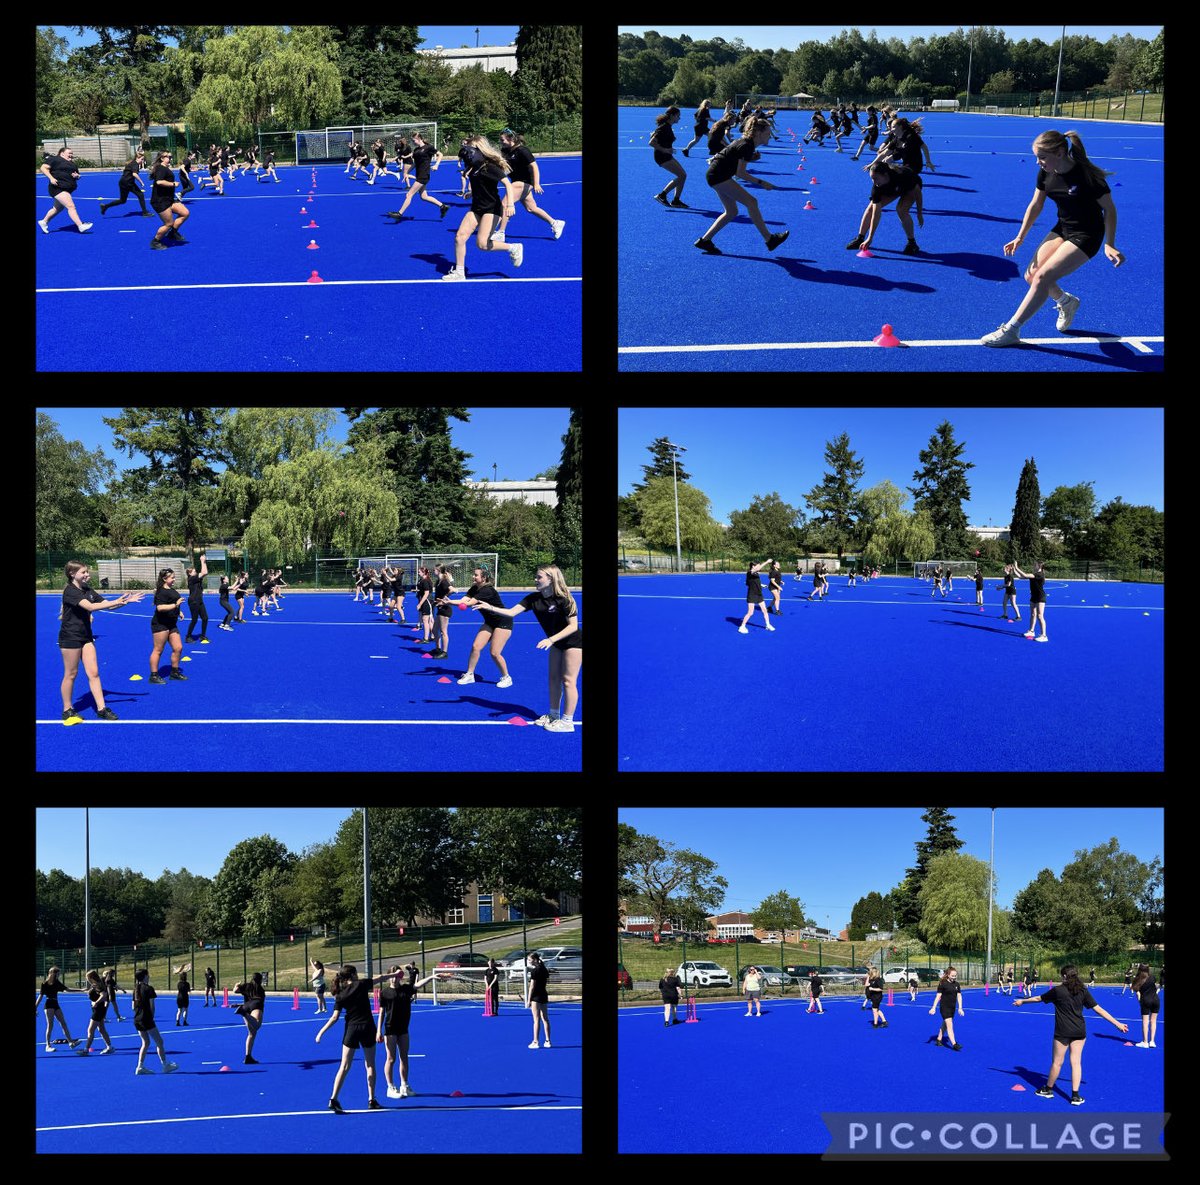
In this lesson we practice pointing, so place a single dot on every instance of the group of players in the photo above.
(1087, 217)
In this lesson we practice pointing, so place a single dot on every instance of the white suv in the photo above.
(703, 973)
(899, 974)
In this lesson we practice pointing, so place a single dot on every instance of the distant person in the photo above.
(815, 987)
(196, 609)
(754, 595)
(183, 991)
(210, 987)
(752, 986)
(662, 141)
(318, 983)
(1146, 990)
(130, 183)
(99, 998)
(949, 994)
(395, 1014)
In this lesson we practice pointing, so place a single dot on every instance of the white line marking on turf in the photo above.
(492, 723)
(327, 284)
(862, 601)
(1138, 341)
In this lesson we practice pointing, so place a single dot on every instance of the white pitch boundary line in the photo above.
(73, 1127)
(1138, 342)
(324, 283)
(436, 723)
(859, 601)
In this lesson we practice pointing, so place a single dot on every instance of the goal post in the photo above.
(924, 569)
(324, 144)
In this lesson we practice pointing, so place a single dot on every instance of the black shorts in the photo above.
(1087, 241)
(73, 641)
(753, 598)
(484, 203)
(427, 610)
(358, 1036)
(496, 623)
(161, 205)
(1149, 1009)
(163, 629)
(661, 158)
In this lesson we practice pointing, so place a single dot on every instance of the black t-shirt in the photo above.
(422, 155)
(901, 180)
(425, 585)
(979, 581)
(725, 163)
(76, 628)
(63, 175)
(162, 197)
(164, 620)
(489, 596)
(909, 150)
(669, 986)
(1075, 195)
(443, 590)
(397, 1008)
(50, 991)
(663, 138)
(1149, 992)
(776, 578)
(143, 1013)
(950, 990)
(537, 978)
(814, 985)
(553, 614)
(1068, 1011)
(520, 160)
(1010, 582)
(99, 999)
(131, 170)
(1037, 589)
(754, 586)
(210, 979)
(354, 1001)
(703, 117)
(875, 987)
(195, 589)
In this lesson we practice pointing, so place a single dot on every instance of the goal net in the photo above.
(334, 143)
(461, 565)
(924, 569)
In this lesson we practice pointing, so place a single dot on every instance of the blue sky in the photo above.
(449, 36)
(830, 858)
(734, 454)
(149, 841)
(521, 441)
(790, 36)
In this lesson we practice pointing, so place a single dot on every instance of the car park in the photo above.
(469, 964)
(703, 973)
(624, 979)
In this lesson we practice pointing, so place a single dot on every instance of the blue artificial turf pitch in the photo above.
(768, 1080)
(812, 305)
(236, 296)
(327, 683)
(882, 677)
(513, 1099)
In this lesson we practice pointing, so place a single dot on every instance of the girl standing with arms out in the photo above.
(75, 638)
(1146, 990)
(352, 996)
(662, 140)
(182, 995)
(63, 176)
(143, 1021)
(494, 631)
(164, 626)
(669, 987)
(949, 993)
(815, 988)
(486, 168)
(162, 200)
(754, 596)
(391, 1027)
(1037, 599)
(700, 129)
(210, 987)
(318, 983)
(254, 999)
(1069, 998)
(196, 609)
(1087, 221)
(537, 998)
(99, 998)
(50, 990)
(723, 168)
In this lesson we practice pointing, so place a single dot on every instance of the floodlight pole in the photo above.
(970, 56)
(987, 967)
(366, 897)
(87, 890)
(1058, 79)
(676, 449)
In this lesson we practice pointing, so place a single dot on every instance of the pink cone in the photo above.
(887, 338)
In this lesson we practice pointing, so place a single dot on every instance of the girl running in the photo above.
(537, 998)
(723, 168)
(493, 631)
(99, 998)
(164, 626)
(254, 999)
(1037, 599)
(702, 119)
(819, 130)
(949, 993)
(1146, 990)
(404, 159)
(558, 615)
(523, 182)
(1087, 221)
(444, 610)
(269, 167)
(63, 176)
(487, 168)
(870, 132)
(717, 137)
(425, 157)
(143, 1021)
(754, 596)
(775, 581)
(661, 141)
(352, 996)
(162, 200)
(815, 987)
(668, 986)
(185, 175)
(183, 991)
(49, 991)
(76, 641)
(318, 983)
(1069, 998)
(904, 141)
(210, 987)
(131, 183)
(379, 164)
(215, 178)
(889, 181)
(251, 160)
(391, 1027)
(196, 609)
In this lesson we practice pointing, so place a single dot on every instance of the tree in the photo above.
(1002, 83)
(769, 526)
(1150, 69)
(940, 837)
(942, 488)
(656, 515)
(1071, 510)
(49, 73)
(131, 58)
(378, 67)
(1105, 888)
(1130, 536)
(184, 894)
(568, 510)
(234, 901)
(663, 464)
(954, 903)
(66, 477)
(688, 86)
(317, 870)
(887, 531)
(870, 912)
(1025, 540)
(549, 68)
(780, 911)
(835, 498)
(666, 879)
(182, 444)
(1035, 906)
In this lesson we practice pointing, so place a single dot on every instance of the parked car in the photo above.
(772, 976)
(746, 938)
(512, 958)
(624, 979)
(703, 973)
(801, 971)
(839, 976)
(566, 962)
(551, 954)
(469, 964)
(901, 974)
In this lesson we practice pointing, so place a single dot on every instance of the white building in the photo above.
(1003, 533)
(544, 493)
(491, 57)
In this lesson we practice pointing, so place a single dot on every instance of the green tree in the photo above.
(317, 872)
(656, 514)
(954, 903)
(667, 879)
(66, 483)
(663, 463)
(688, 86)
(58, 909)
(235, 907)
(1129, 536)
(835, 498)
(184, 893)
(871, 911)
(942, 488)
(131, 58)
(1149, 72)
(49, 73)
(1104, 888)
(780, 911)
(1036, 905)
(378, 67)
(1025, 540)
(549, 73)
(1071, 510)
(888, 532)
(1004, 82)
(568, 510)
(940, 837)
(769, 526)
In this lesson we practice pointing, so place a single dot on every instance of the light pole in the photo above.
(676, 449)
(1058, 78)
(987, 967)
(970, 56)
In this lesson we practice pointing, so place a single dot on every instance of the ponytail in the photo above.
(1054, 141)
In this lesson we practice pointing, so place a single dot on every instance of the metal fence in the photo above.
(1098, 103)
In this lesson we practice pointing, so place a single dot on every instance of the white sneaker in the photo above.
(497, 236)
(1067, 308)
(85, 226)
(1153, 1045)
(542, 721)
(517, 252)
(1004, 336)
(560, 726)
(533, 1045)
(454, 274)
(143, 1070)
(505, 682)
(170, 1068)
(742, 629)
(49, 1048)
(557, 227)
(770, 629)
(466, 679)
(545, 1044)
(44, 228)
(393, 1092)
(407, 1092)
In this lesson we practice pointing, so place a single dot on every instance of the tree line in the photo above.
(848, 65)
(276, 77)
(274, 478)
(422, 858)
(877, 524)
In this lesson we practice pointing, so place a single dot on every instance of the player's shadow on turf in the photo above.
(956, 188)
(1034, 1078)
(970, 214)
(1115, 354)
(986, 267)
(798, 269)
(987, 629)
(491, 706)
